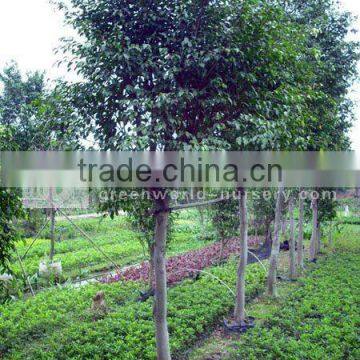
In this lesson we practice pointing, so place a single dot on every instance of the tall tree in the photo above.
(313, 240)
(300, 242)
(189, 74)
(336, 58)
(292, 243)
(239, 311)
(275, 249)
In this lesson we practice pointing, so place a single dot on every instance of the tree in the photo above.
(264, 210)
(176, 75)
(314, 234)
(239, 311)
(292, 244)
(193, 75)
(17, 110)
(225, 220)
(271, 281)
(300, 243)
(139, 211)
(326, 214)
(39, 119)
(328, 28)
(10, 207)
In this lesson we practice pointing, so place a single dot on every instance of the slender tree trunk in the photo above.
(52, 234)
(300, 244)
(312, 253)
(292, 252)
(160, 301)
(357, 192)
(52, 227)
(151, 267)
(318, 239)
(268, 238)
(239, 312)
(271, 281)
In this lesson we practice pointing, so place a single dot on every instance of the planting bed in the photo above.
(80, 259)
(185, 265)
(318, 318)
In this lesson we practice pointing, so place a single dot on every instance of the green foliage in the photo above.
(17, 104)
(264, 208)
(225, 219)
(352, 203)
(335, 59)
(37, 117)
(207, 74)
(351, 220)
(327, 209)
(318, 320)
(139, 212)
(115, 236)
(10, 208)
(59, 324)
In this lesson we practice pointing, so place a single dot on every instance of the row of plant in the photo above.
(79, 257)
(189, 264)
(64, 229)
(351, 220)
(59, 324)
(318, 320)
(103, 230)
(40, 247)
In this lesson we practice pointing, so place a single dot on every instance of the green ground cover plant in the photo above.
(115, 237)
(319, 318)
(57, 324)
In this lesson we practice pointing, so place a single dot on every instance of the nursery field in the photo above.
(115, 237)
(318, 318)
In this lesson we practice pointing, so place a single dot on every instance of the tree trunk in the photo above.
(312, 252)
(318, 239)
(357, 192)
(292, 252)
(275, 249)
(239, 312)
(266, 247)
(160, 301)
(52, 226)
(300, 244)
(151, 267)
(283, 227)
(268, 238)
(52, 234)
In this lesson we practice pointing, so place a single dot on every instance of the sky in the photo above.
(30, 30)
